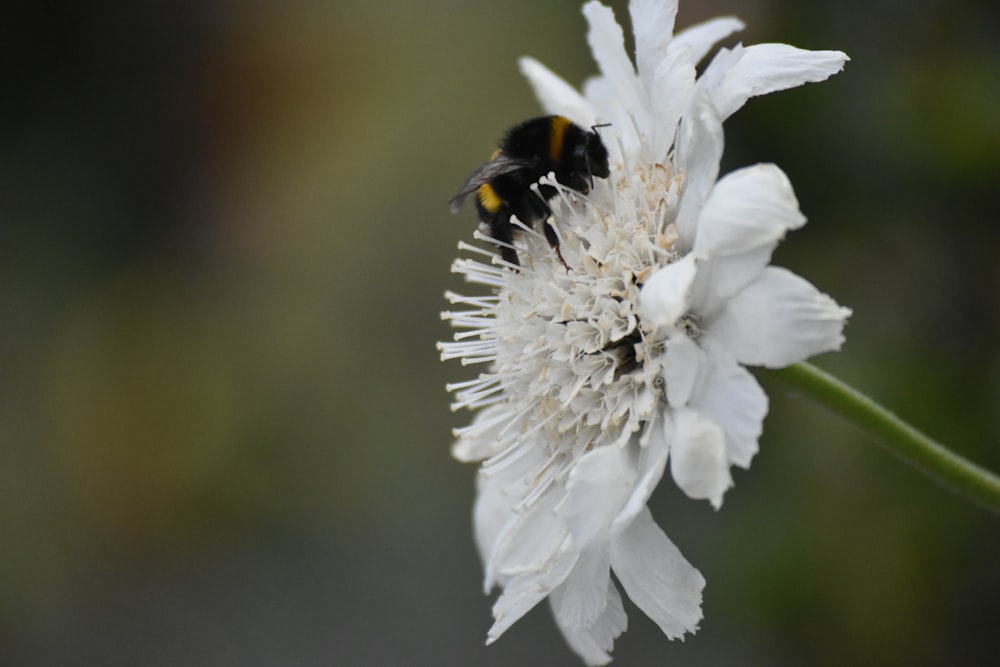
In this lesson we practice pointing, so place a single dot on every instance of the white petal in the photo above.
(735, 76)
(652, 462)
(747, 212)
(611, 109)
(555, 95)
(593, 643)
(681, 366)
(585, 644)
(666, 295)
(719, 278)
(492, 517)
(599, 484)
(729, 395)
(470, 450)
(607, 42)
(653, 26)
(779, 319)
(747, 209)
(698, 459)
(657, 577)
(498, 492)
(484, 441)
(582, 598)
(525, 591)
(533, 539)
(703, 36)
(593, 639)
(671, 90)
(699, 149)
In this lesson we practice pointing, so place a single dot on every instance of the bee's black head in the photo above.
(590, 159)
(597, 155)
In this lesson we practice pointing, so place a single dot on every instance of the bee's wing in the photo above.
(498, 166)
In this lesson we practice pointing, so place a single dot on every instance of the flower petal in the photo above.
(619, 86)
(747, 209)
(533, 539)
(498, 492)
(617, 92)
(681, 366)
(593, 641)
(555, 95)
(613, 110)
(588, 608)
(735, 76)
(599, 484)
(745, 215)
(671, 89)
(492, 517)
(730, 396)
(482, 439)
(652, 462)
(703, 36)
(699, 149)
(653, 27)
(525, 591)
(665, 296)
(698, 459)
(607, 43)
(581, 599)
(779, 319)
(719, 278)
(657, 577)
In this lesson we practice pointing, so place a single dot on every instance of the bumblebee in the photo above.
(504, 186)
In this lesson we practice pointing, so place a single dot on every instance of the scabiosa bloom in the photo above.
(600, 376)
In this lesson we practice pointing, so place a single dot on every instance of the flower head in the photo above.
(600, 376)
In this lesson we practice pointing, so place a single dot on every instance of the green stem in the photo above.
(931, 458)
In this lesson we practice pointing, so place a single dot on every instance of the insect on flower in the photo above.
(508, 184)
(598, 384)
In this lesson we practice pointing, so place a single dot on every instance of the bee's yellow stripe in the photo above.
(557, 136)
(489, 198)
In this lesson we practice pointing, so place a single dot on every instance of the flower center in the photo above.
(570, 344)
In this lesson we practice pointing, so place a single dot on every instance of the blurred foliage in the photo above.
(223, 244)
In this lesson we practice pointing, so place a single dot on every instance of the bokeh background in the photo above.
(224, 241)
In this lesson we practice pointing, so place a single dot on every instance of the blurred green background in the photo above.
(224, 241)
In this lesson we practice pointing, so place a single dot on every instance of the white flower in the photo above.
(597, 376)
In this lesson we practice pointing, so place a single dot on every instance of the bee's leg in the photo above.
(509, 255)
(553, 239)
(503, 232)
(538, 210)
